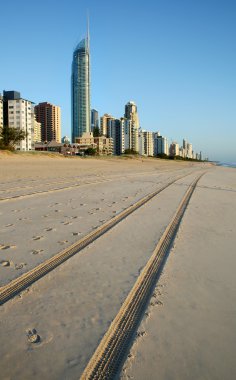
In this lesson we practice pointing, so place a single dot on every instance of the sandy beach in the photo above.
(48, 203)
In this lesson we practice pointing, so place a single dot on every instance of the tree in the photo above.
(90, 152)
(10, 136)
(130, 151)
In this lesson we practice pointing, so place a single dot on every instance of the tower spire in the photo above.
(88, 35)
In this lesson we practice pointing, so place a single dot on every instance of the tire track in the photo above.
(112, 349)
(15, 286)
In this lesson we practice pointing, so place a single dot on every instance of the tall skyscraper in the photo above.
(50, 118)
(80, 89)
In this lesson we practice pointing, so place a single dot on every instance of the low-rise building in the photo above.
(103, 145)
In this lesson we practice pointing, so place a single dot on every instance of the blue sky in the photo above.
(175, 58)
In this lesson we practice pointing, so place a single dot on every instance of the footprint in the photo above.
(57, 210)
(63, 241)
(9, 225)
(37, 237)
(76, 233)
(20, 266)
(7, 246)
(5, 263)
(50, 229)
(67, 223)
(33, 336)
(36, 251)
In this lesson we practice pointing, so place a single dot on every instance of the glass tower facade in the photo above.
(80, 90)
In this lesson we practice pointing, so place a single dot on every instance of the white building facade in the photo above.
(20, 115)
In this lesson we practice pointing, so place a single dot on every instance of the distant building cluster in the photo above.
(106, 135)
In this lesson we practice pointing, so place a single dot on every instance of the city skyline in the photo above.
(184, 83)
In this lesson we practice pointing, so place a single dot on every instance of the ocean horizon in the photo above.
(227, 164)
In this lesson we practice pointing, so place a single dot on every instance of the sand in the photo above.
(192, 333)
(72, 307)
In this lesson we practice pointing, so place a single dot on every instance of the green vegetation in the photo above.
(164, 156)
(9, 137)
(90, 152)
(130, 151)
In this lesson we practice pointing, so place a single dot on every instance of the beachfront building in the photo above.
(131, 127)
(18, 113)
(80, 90)
(115, 130)
(102, 144)
(189, 150)
(104, 121)
(37, 129)
(141, 143)
(49, 116)
(160, 144)
(94, 119)
(174, 149)
(148, 143)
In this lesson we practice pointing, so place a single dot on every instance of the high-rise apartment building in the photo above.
(80, 89)
(116, 132)
(148, 143)
(160, 144)
(132, 126)
(50, 118)
(174, 149)
(94, 119)
(37, 130)
(104, 121)
(18, 113)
